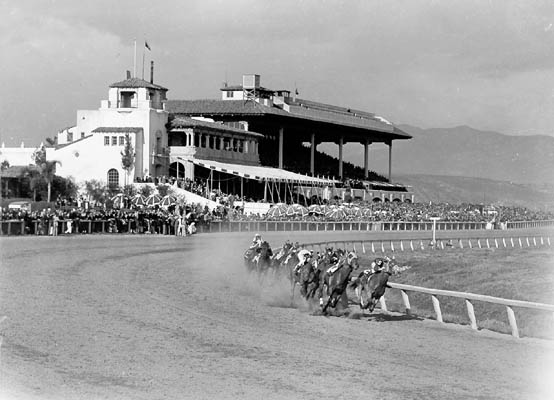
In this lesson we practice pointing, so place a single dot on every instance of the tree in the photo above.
(33, 175)
(47, 169)
(96, 191)
(5, 165)
(51, 142)
(146, 190)
(127, 157)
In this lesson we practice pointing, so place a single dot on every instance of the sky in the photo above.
(430, 64)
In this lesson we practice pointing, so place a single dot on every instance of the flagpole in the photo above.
(135, 61)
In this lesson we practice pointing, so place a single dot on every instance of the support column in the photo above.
(390, 160)
(281, 131)
(312, 155)
(341, 143)
(366, 158)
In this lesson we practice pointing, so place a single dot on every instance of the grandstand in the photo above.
(287, 124)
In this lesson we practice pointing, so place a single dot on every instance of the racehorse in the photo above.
(263, 260)
(307, 275)
(370, 287)
(278, 260)
(336, 279)
(258, 259)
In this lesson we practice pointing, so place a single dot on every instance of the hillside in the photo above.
(457, 189)
(462, 151)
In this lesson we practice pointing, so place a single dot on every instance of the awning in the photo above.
(260, 173)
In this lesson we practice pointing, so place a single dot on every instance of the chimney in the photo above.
(128, 74)
(151, 71)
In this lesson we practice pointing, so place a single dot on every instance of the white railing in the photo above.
(401, 245)
(468, 297)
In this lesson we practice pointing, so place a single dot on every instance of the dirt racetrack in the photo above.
(144, 317)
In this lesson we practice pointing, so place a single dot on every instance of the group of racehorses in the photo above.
(323, 276)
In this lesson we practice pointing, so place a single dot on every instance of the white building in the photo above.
(92, 148)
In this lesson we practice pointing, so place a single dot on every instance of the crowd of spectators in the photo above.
(179, 218)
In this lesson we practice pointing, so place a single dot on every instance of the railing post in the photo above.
(437, 307)
(406, 301)
(471, 314)
(513, 323)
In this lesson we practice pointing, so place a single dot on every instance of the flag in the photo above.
(147, 46)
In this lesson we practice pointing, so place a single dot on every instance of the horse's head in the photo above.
(265, 249)
(287, 246)
(352, 259)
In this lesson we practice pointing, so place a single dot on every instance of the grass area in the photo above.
(517, 274)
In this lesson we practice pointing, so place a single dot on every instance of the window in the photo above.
(230, 93)
(82, 135)
(106, 140)
(122, 140)
(114, 140)
(70, 136)
(113, 178)
(127, 99)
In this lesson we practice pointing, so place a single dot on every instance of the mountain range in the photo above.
(464, 164)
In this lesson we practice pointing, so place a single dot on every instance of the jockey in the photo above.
(256, 242)
(379, 263)
(336, 262)
(304, 257)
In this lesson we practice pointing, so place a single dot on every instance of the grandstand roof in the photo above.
(295, 110)
(261, 173)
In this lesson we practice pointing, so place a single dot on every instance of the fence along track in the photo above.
(399, 245)
(434, 293)
(19, 227)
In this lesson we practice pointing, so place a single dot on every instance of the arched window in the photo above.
(113, 178)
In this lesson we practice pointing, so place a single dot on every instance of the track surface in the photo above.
(123, 317)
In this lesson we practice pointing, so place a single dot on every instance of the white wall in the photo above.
(17, 155)
(90, 159)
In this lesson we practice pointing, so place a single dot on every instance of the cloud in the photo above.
(426, 63)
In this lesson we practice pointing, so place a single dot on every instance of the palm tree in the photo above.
(47, 169)
(47, 172)
(33, 175)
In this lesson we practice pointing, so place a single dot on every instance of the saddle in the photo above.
(334, 268)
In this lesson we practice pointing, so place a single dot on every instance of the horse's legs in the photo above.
(292, 287)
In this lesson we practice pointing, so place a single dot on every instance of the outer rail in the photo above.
(469, 297)
(434, 293)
